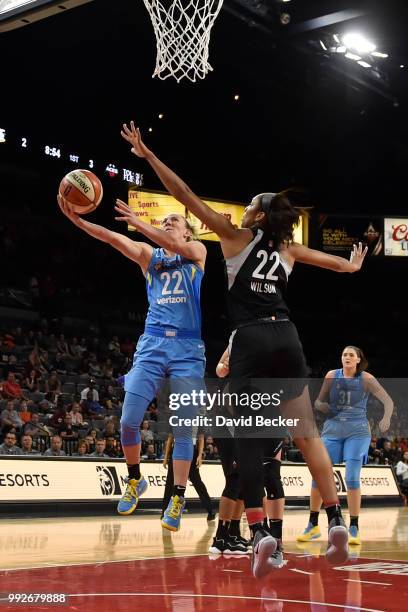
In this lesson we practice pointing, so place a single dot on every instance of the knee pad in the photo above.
(183, 449)
(353, 470)
(232, 487)
(133, 410)
(272, 480)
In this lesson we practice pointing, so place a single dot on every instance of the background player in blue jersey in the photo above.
(259, 257)
(171, 346)
(346, 431)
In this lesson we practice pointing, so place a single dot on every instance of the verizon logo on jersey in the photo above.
(263, 287)
(172, 300)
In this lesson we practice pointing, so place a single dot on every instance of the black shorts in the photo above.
(270, 350)
(228, 451)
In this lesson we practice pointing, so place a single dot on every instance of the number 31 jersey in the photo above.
(257, 282)
(173, 290)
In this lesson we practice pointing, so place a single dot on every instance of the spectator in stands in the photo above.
(209, 453)
(13, 364)
(82, 449)
(150, 453)
(112, 448)
(58, 414)
(53, 384)
(45, 366)
(90, 389)
(146, 433)
(389, 455)
(107, 369)
(9, 446)
(110, 431)
(100, 448)
(401, 470)
(75, 349)
(32, 380)
(62, 346)
(27, 446)
(374, 453)
(90, 442)
(56, 448)
(11, 389)
(66, 430)
(9, 417)
(59, 364)
(114, 346)
(76, 414)
(83, 347)
(94, 367)
(24, 412)
(92, 408)
(34, 427)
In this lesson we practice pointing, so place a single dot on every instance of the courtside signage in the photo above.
(67, 479)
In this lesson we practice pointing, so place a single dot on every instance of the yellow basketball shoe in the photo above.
(310, 533)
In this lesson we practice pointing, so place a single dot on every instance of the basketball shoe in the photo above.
(354, 535)
(310, 533)
(263, 547)
(135, 488)
(172, 515)
(337, 550)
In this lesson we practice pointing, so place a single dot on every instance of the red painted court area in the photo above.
(198, 583)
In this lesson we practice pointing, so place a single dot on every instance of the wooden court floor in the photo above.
(128, 563)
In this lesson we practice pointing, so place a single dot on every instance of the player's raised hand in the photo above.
(126, 213)
(357, 256)
(132, 136)
(68, 212)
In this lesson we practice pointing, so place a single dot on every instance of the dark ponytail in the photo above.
(281, 216)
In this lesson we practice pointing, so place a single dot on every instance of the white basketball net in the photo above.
(183, 36)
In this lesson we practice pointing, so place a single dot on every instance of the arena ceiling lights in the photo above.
(355, 47)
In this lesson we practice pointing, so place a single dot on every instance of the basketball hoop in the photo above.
(182, 29)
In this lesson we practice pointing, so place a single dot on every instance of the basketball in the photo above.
(81, 190)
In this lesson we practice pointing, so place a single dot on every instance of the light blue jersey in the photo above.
(170, 348)
(348, 398)
(173, 290)
(346, 432)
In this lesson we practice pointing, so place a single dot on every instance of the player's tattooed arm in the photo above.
(321, 402)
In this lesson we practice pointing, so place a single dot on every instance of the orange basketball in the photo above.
(81, 190)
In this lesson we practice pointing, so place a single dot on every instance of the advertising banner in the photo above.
(153, 207)
(396, 237)
(337, 234)
(28, 480)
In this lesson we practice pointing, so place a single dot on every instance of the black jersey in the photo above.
(257, 281)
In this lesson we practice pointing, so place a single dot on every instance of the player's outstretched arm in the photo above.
(139, 252)
(194, 250)
(375, 388)
(177, 187)
(312, 257)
